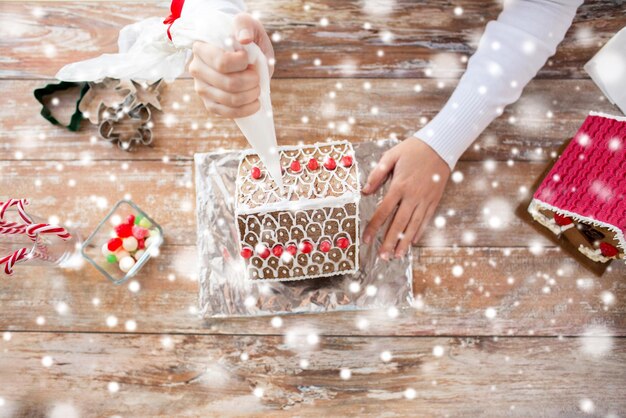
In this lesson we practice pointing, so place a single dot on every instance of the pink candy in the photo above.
(140, 232)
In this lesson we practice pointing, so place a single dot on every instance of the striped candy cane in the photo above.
(34, 229)
(5, 224)
(28, 228)
(20, 229)
(10, 260)
(20, 203)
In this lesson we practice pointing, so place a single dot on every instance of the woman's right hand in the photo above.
(227, 85)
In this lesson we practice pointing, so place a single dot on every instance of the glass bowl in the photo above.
(116, 254)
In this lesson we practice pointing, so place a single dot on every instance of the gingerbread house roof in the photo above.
(588, 181)
(313, 176)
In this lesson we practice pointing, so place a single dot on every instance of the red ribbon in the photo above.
(175, 9)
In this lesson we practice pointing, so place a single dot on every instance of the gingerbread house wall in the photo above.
(319, 208)
(294, 228)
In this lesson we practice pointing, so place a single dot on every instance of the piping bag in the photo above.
(146, 53)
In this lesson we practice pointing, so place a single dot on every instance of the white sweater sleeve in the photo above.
(510, 53)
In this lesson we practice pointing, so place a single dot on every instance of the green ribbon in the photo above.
(51, 88)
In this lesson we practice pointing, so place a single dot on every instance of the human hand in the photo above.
(227, 85)
(418, 178)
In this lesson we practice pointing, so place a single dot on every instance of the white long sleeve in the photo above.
(510, 53)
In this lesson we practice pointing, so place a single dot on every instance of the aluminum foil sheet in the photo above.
(226, 291)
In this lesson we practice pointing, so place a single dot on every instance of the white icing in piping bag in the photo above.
(147, 54)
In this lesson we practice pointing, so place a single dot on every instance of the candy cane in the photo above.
(20, 229)
(20, 203)
(29, 228)
(5, 224)
(34, 229)
(22, 254)
(42, 254)
(11, 259)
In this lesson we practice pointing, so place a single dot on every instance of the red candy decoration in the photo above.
(562, 220)
(277, 250)
(265, 253)
(130, 219)
(343, 243)
(306, 247)
(124, 230)
(255, 172)
(141, 244)
(608, 250)
(330, 163)
(313, 164)
(246, 253)
(292, 249)
(346, 161)
(114, 244)
(295, 166)
(325, 246)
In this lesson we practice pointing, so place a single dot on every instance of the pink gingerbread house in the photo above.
(583, 197)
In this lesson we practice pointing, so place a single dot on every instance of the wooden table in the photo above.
(444, 358)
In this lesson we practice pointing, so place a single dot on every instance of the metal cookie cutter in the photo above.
(127, 127)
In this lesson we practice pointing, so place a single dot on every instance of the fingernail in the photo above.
(366, 188)
(385, 256)
(399, 254)
(244, 34)
(367, 239)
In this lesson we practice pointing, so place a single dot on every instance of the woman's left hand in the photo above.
(418, 178)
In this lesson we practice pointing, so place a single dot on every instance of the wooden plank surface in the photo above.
(164, 376)
(532, 294)
(530, 130)
(550, 335)
(40, 37)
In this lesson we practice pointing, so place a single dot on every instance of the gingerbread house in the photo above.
(583, 197)
(308, 229)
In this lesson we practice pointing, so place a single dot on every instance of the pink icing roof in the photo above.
(589, 178)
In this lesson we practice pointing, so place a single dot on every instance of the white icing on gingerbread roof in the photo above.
(305, 185)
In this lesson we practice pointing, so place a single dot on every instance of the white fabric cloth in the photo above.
(510, 53)
(147, 54)
(608, 69)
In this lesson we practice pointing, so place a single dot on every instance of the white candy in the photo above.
(119, 254)
(138, 254)
(126, 264)
(105, 249)
(130, 244)
(154, 232)
(153, 241)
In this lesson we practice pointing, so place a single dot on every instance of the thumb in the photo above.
(379, 174)
(245, 28)
(248, 30)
